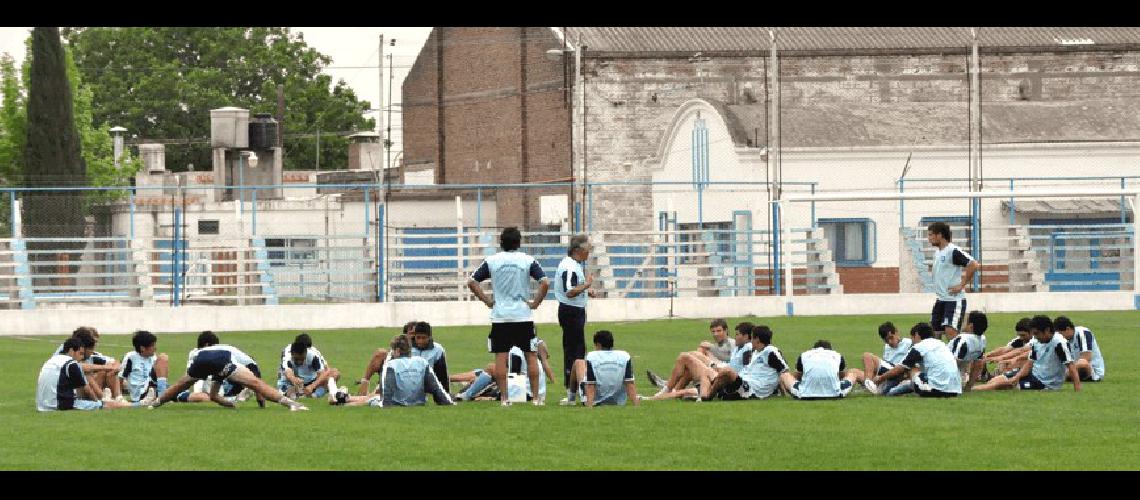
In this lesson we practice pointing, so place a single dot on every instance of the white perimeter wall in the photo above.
(307, 317)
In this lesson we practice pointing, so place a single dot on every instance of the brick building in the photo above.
(850, 106)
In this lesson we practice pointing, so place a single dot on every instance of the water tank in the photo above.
(229, 128)
(262, 131)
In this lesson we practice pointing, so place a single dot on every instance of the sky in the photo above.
(354, 53)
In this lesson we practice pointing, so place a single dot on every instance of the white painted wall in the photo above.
(395, 314)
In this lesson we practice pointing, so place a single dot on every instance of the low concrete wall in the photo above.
(312, 317)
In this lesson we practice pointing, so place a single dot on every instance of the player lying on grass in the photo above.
(939, 376)
(1050, 361)
(1014, 353)
(690, 368)
(606, 375)
(224, 363)
(99, 369)
(481, 382)
(303, 372)
(712, 354)
(144, 370)
(407, 380)
(60, 377)
(1084, 348)
(821, 373)
(969, 346)
(894, 351)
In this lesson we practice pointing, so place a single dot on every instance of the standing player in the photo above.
(605, 377)
(1050, 361)
(571, 287)
(950, 281)
(144, 370)
(1084, 348)
(939, 377)
(822, 373)
(512, 322)
(61, 375)
(894, 351)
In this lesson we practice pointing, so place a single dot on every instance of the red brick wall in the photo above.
(482, 114)
(869, 279)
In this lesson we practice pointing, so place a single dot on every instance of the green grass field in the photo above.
(1093, 429)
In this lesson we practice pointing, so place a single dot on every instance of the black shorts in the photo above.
(215, 364)
(732, 391)
(947, 313)
(505, 335)
(1030, 383)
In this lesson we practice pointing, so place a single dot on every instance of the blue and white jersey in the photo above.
(895, 355)
(968, 347)
(1017, 343)
(59, 377)
(762, 373)
(510, 274)
(237, 357)
(309, 369)
(608, 371)
(740, 357)
(947, 271)
(96, 357)
(570, 274)
(938, 364)
(1050, 361)
(432, 354)
(1084, 341)
(409, 380)
(819, 370)
(138, 372)
(516, 363)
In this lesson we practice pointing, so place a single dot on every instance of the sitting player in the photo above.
(894, 351)
(481, 382)
(969, 346)
(99, 368)
(939, 376)
(407, 380)
(61, 375)
(606, 375)
(1046, 368)
(223, 363)
(1084, 348)
(306, 373)
(821, 373)
(689, 368)
(711, 354)
(759, 378)
(144, 370)
(375, 364)
(1014, 353)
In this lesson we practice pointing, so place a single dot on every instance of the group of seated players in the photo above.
(1043, 355)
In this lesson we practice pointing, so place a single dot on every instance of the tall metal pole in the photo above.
(380, 96)
(388, 136)
(975, 151)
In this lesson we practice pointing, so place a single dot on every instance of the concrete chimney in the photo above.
(153, 157)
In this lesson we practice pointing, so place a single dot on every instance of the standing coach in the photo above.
(571, 287)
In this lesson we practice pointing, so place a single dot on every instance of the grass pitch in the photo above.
(1008, 430)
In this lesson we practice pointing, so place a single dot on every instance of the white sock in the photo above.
(284, 401)
(331, 384)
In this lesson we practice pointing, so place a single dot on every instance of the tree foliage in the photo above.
(161, 83)
(52, 156)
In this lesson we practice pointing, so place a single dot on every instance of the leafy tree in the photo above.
(52, 154)
(161, 83)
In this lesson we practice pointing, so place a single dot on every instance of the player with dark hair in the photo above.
(953, 269)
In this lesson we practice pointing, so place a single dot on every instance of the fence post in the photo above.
(253, 219)
(366, 220)
(589, 208)
(479, 209)
(902, 205)
(132, 216)
(174, 257)
(1135, 253)
(380, 260)
(776, 236)
(813, 205)
(976, 241)
(1123, 215)
(14, 219)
